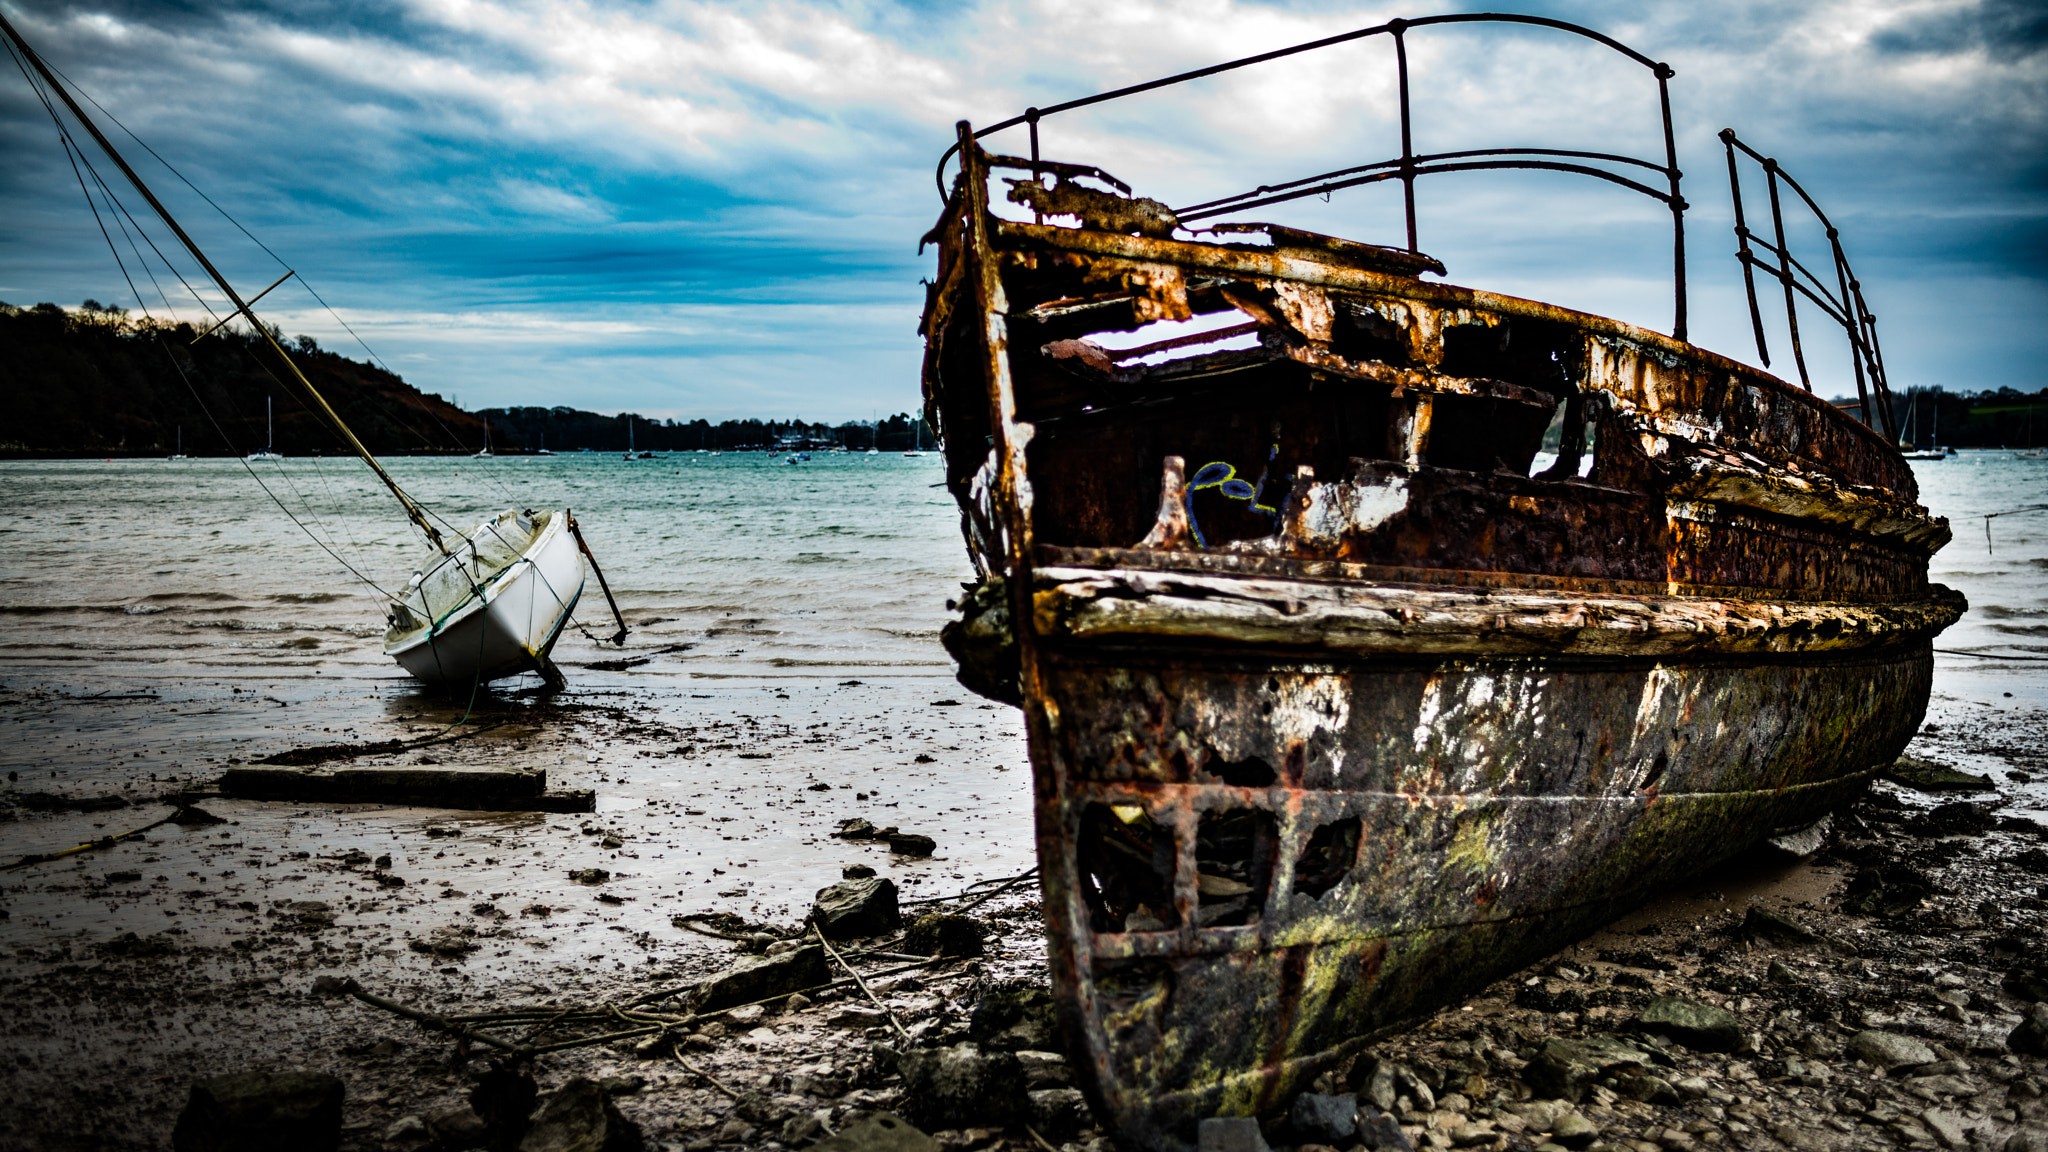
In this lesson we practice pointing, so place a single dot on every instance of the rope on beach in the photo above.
(103, 842)
(869, 992)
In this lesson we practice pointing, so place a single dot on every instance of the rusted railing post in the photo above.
(1856, 350)
(1784, 270)
(1678, 325)
(1742, 253)
(1399, 27)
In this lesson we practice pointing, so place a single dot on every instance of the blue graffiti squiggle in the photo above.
(1222, 477)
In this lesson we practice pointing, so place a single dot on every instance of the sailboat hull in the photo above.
(511, 627)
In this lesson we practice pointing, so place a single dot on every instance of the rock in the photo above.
(856, 872)
(579, 1117)
(447, 942)
(1700, 1027)
(1760, 923)
(1875, 891)
(407, 1130)
(1382, 1082)
(763, 978)
(2029, 1140)
(1804, 842)
(878, 1132)
(851, 908)
(1472, 1133)
(1381, 1133)
(261, 1111)
(1946, 1125)
(1016, 1016)
(458, 1127)
(1926, 776)
(858, 1016)
(758, 1109)
(797, 1002)
(1886, 1050)
(1058, 1113)
(1374, 1080)
(1324, 1119)
(1229, 1134)
(2026, 985)
(1648, 1089)
(1573, 1131)
(2030, 1038)
(1955, 818)
(912, 844)
(504, 1097)
(1564, 1068)
(855, 828)
(1045, 1070)
(944, 934)
(962, 1086)
(1780, 973)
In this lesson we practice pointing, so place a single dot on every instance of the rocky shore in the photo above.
(1884, 992)
(1887, 993)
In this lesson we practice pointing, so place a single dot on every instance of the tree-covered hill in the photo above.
(92, 382)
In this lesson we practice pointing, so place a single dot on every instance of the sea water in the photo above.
(737, 572)
(129, 573)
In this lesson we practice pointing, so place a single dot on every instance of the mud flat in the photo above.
(1864, 998)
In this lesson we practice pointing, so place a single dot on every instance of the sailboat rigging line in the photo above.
(172, 357)
(191, 246)
(120, 210)
(239, 226)
(172, 169)
(252, 301)
(243, 460)
(125, 235)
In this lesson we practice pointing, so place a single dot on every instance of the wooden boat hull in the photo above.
(1340, 704)
(1417, 828)
(508, 620)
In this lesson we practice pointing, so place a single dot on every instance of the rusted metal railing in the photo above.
(1411, 165)
(1843, 303)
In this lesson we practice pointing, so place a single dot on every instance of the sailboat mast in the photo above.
(411, 509)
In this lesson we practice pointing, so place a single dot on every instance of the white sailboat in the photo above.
(268, 440)
(490, 605)
(180, 453)
(486, 450)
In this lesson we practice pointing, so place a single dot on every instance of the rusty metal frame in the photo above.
(1410, 165)
(1843, 304)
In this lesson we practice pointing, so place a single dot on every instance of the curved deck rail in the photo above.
(1411, 165)
(1842, 303)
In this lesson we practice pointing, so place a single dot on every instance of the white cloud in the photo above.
(430, 162)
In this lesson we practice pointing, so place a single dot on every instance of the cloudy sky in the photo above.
(703, 209)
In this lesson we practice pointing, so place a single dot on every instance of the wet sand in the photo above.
(193, 951)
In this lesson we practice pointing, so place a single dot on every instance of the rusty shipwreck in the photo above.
(1344, 696)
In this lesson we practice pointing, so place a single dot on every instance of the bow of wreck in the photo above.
(1377, 635)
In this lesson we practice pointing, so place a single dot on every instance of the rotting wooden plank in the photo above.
(473, 789)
